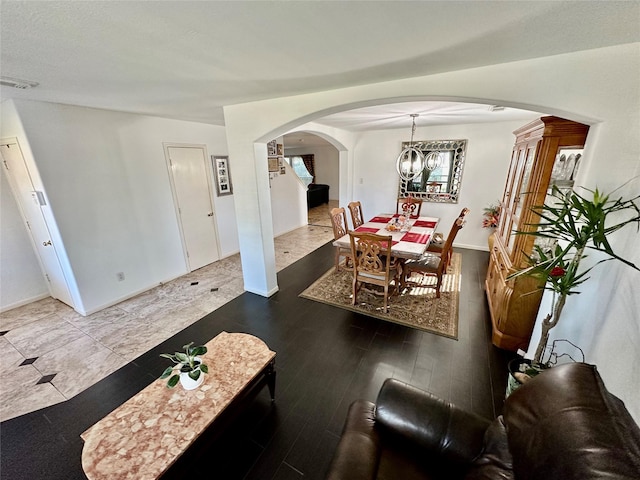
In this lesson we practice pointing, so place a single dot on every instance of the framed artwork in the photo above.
(283, 169)
(280, 149)
(223, 175)
(272, 148)
(274, 165)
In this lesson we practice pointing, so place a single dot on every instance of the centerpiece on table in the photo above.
(575, 224)
(188, 369)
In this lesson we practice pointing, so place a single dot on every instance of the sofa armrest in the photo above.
(358, 452)
(429, 422)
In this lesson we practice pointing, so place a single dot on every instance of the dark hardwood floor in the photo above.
(326, 358)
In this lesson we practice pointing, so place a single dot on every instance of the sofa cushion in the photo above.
(564, 424)
(432, 424)
(495, 462)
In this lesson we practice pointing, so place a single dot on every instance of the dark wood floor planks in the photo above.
(326, 358)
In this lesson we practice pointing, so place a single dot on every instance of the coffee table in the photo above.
(143, 438)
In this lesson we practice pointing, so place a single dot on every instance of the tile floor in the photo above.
(50, 353)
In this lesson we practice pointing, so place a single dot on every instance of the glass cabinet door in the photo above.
(524, 183)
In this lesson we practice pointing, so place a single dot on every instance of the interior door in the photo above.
(31, 202)
(192, 190)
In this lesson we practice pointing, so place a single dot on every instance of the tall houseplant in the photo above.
(578, 224)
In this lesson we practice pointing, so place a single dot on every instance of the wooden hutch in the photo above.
(514, 303)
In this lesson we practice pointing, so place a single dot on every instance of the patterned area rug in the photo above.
(417, 306)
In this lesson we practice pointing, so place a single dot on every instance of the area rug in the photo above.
(417, 306)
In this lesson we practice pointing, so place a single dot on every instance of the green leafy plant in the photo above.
(185, 362)
(578, 224)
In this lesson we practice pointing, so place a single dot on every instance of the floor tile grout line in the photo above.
(313, 241)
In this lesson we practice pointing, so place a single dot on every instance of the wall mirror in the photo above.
(439, 177)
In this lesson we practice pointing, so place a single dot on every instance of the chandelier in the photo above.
(411, 161)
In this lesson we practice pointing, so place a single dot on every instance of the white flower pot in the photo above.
(189, 383)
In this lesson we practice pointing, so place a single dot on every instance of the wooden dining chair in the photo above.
(340, 229)
(355, 208)
(373, 264)
(409, 206)
(433, 264)
(436, 247)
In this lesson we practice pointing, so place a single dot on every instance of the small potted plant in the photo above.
(188, 369)
(576, 224)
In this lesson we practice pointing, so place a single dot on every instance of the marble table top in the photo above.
(144, 436)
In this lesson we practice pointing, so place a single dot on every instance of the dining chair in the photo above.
(340, 229)
(409, 205)
(355, 208)
(373, 264)
(436, 247)
(432, 264)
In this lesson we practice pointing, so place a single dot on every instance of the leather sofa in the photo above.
(561, 425)
(317, 194)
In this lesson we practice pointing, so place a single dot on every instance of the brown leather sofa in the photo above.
(561, 425)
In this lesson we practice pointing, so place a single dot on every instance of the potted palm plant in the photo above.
(188, 369)
(573, 224)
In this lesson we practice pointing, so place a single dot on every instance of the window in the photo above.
(297, 163)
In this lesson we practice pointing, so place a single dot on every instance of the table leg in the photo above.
(270, 374)
(402, 280)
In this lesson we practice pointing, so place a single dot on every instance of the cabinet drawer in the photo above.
(501, 263)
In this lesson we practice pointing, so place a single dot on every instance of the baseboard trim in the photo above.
(263, 293)
(482, 248)
(11, 306)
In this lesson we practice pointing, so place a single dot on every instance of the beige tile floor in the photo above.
(80, 351)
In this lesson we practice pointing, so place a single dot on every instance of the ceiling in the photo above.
(398, 115)
(188, 59)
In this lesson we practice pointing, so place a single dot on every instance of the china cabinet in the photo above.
(539, 145)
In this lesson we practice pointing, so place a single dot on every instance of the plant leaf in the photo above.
(166, 373)
(201, 350)
(173, 381)
(182, 357)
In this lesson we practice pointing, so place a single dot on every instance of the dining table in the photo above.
(409, 239)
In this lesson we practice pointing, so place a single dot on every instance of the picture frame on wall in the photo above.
(272, 148)
(222, 174)
(274, 165)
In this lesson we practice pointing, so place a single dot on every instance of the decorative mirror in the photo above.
(440, 177)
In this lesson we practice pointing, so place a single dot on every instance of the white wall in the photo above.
(487, 161)
(21, 279)
(107, 183)
(288, 202)
(598, 87)
(327, 166)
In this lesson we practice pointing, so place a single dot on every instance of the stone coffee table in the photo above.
(145, 436)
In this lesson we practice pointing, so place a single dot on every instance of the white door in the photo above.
(192, 190)
(31, 202)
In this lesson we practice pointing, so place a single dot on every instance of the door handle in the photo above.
(47, 243)
(210, 214)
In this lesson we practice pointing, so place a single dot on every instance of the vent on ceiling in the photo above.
(17, 83)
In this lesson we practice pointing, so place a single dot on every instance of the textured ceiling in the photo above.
(186, 60)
